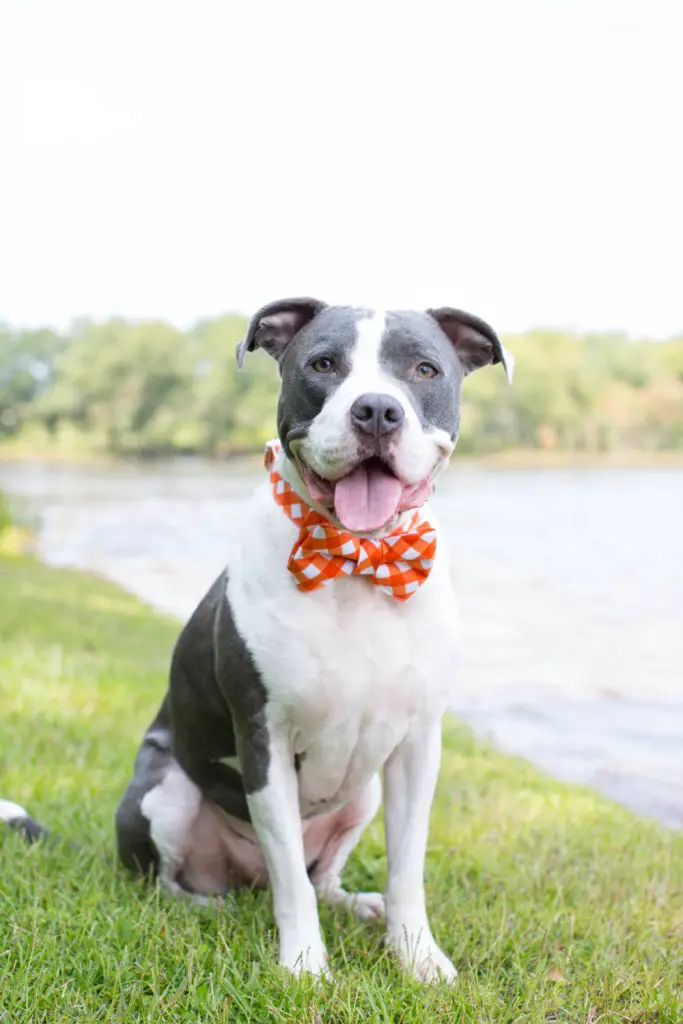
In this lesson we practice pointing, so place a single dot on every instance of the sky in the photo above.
(520, 160)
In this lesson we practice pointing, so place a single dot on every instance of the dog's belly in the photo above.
(224, 853)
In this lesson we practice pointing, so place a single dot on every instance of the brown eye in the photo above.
(426, 371)
(323, 364)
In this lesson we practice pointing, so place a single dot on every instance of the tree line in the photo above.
(147, 388)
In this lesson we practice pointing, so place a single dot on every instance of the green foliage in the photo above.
(554, 903)
(148, 388)
(5, 515)
(575, 393)
(26, 371)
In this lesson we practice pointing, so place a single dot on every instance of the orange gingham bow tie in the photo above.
(398, 563)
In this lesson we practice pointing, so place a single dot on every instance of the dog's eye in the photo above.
(426, 370)
(323, 364)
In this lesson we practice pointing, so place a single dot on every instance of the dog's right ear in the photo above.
(274, 326)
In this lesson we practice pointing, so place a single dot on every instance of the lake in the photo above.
(570, 588)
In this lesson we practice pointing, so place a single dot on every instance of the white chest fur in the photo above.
(346, 667)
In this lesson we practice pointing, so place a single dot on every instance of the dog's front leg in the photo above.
(275, 816)
(409, 781)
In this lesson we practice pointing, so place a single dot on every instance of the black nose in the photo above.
(376, 414)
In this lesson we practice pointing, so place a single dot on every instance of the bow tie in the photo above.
(397, 563)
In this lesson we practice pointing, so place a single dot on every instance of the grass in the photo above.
(555, 904)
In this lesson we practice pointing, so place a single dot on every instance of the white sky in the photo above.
(522, 159)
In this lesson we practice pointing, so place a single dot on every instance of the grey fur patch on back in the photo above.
(202, 720)
(214, 710)
(240, 681)
(217, 701)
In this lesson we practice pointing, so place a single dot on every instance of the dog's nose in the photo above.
(377, 414)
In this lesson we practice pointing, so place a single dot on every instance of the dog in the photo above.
(324, 654)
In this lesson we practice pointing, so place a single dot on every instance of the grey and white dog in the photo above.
(262, 764)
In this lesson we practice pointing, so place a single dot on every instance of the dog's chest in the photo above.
(347, 669)
(349, 677)
(351, 700)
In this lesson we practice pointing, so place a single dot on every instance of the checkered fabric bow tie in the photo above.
(398, 563)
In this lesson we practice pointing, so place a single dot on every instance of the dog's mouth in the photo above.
(368, 497)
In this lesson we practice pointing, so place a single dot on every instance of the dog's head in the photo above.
(369, 405)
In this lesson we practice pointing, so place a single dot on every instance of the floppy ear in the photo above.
(475, 342)
(274, 326)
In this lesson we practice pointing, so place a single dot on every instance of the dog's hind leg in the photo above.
(161, 829)
(154, 823)
(347, 826)
(135, 845)
(171, 808)
(157, 812)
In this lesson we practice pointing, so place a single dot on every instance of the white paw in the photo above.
(309, 959)
(367, 906)
(422, 957)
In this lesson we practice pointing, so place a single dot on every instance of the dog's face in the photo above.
(369, 405)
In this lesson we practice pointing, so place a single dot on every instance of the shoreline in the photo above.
(523, 458)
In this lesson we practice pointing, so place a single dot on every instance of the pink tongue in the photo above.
(367, 498)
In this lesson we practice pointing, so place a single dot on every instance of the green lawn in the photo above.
(555, 904)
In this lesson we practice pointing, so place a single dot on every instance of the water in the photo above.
(570, 588)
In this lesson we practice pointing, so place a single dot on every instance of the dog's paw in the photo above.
(302, 960)
(367, 906)
(421, 957)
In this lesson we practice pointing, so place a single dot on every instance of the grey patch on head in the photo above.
(409, 339)
(135, 846)
(333, 333)
(296, 332)
(455, 343)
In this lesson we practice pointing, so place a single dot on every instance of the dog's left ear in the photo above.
(274, 326)
(475, 342)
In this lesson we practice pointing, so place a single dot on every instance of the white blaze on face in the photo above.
(366, 372)
(331, 445)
